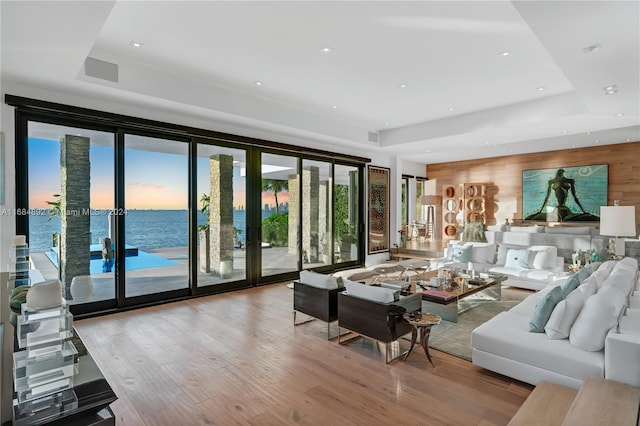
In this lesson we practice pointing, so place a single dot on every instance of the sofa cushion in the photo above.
(483, 253)
(527, 229)
(315, 279)
(543, 310)
(517, 258)
(583, 274)
(542, 275)
(579, 230)
(599, 314)
(564, 315)
(506, 336)
(369, 292)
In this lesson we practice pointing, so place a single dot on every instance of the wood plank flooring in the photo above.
(237, 358)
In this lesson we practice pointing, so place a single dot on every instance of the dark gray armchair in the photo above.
(381, 321)
(317, 298)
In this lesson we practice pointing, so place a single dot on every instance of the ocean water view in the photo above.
(144, 229)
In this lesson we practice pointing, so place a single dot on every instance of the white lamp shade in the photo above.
(618, 221)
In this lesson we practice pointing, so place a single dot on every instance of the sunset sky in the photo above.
(153, 180)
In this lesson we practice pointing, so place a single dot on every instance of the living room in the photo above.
(479, 137)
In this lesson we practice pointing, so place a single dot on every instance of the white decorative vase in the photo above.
(81, 288)
(45, 295)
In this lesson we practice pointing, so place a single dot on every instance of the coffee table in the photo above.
(470, 292)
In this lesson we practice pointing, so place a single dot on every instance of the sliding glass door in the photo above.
(222, 215)
(279, 231)
(71, 194)
(133, 214)
(155, 215)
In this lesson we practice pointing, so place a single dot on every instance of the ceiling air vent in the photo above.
(373, 137)
(101, 69)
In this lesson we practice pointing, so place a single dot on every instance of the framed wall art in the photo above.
(378, 237)
(565, 194)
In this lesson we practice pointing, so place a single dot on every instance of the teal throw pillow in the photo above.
(517, 258)
(570, 284)
(543, 310)
(584, 273)
(461, 253)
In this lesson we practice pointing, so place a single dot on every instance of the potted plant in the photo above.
(55, 211)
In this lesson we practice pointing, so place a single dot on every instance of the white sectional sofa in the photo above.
(593, 330)
(530, 267)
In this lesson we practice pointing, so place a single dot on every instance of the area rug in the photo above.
(455, 338)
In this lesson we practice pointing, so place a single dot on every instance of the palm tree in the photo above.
(275, 186)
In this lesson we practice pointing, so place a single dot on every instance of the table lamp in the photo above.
(618, 221)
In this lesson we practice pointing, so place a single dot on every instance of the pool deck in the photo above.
(154, 280)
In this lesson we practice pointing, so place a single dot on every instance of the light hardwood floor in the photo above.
(236, 358)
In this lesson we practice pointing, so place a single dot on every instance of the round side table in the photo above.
(421, 324)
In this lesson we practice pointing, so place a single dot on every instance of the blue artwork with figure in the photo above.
(565, 194)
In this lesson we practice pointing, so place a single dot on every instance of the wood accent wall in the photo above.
(504, 174)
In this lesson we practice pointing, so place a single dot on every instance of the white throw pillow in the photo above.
(620, 279)
(369, 292)
(564, 315)
(599, 314)
(589, 287)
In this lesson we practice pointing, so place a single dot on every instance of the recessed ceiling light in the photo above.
(628, 140)
(573, 146)
(452, 109)
(428, 151)
(402, 86)
(334, 106)
(487, 143)
(258, 83)
(386, 123)
(565, 131)
(592, 48)
(505, 53)
(135, 43)
(325, 49)
(620, 114)
(597, 141)
(540, 89)
(588, 133)
(610, 90)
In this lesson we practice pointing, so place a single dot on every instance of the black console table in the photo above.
(91, 392)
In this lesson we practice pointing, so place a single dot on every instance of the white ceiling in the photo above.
(463, 99)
